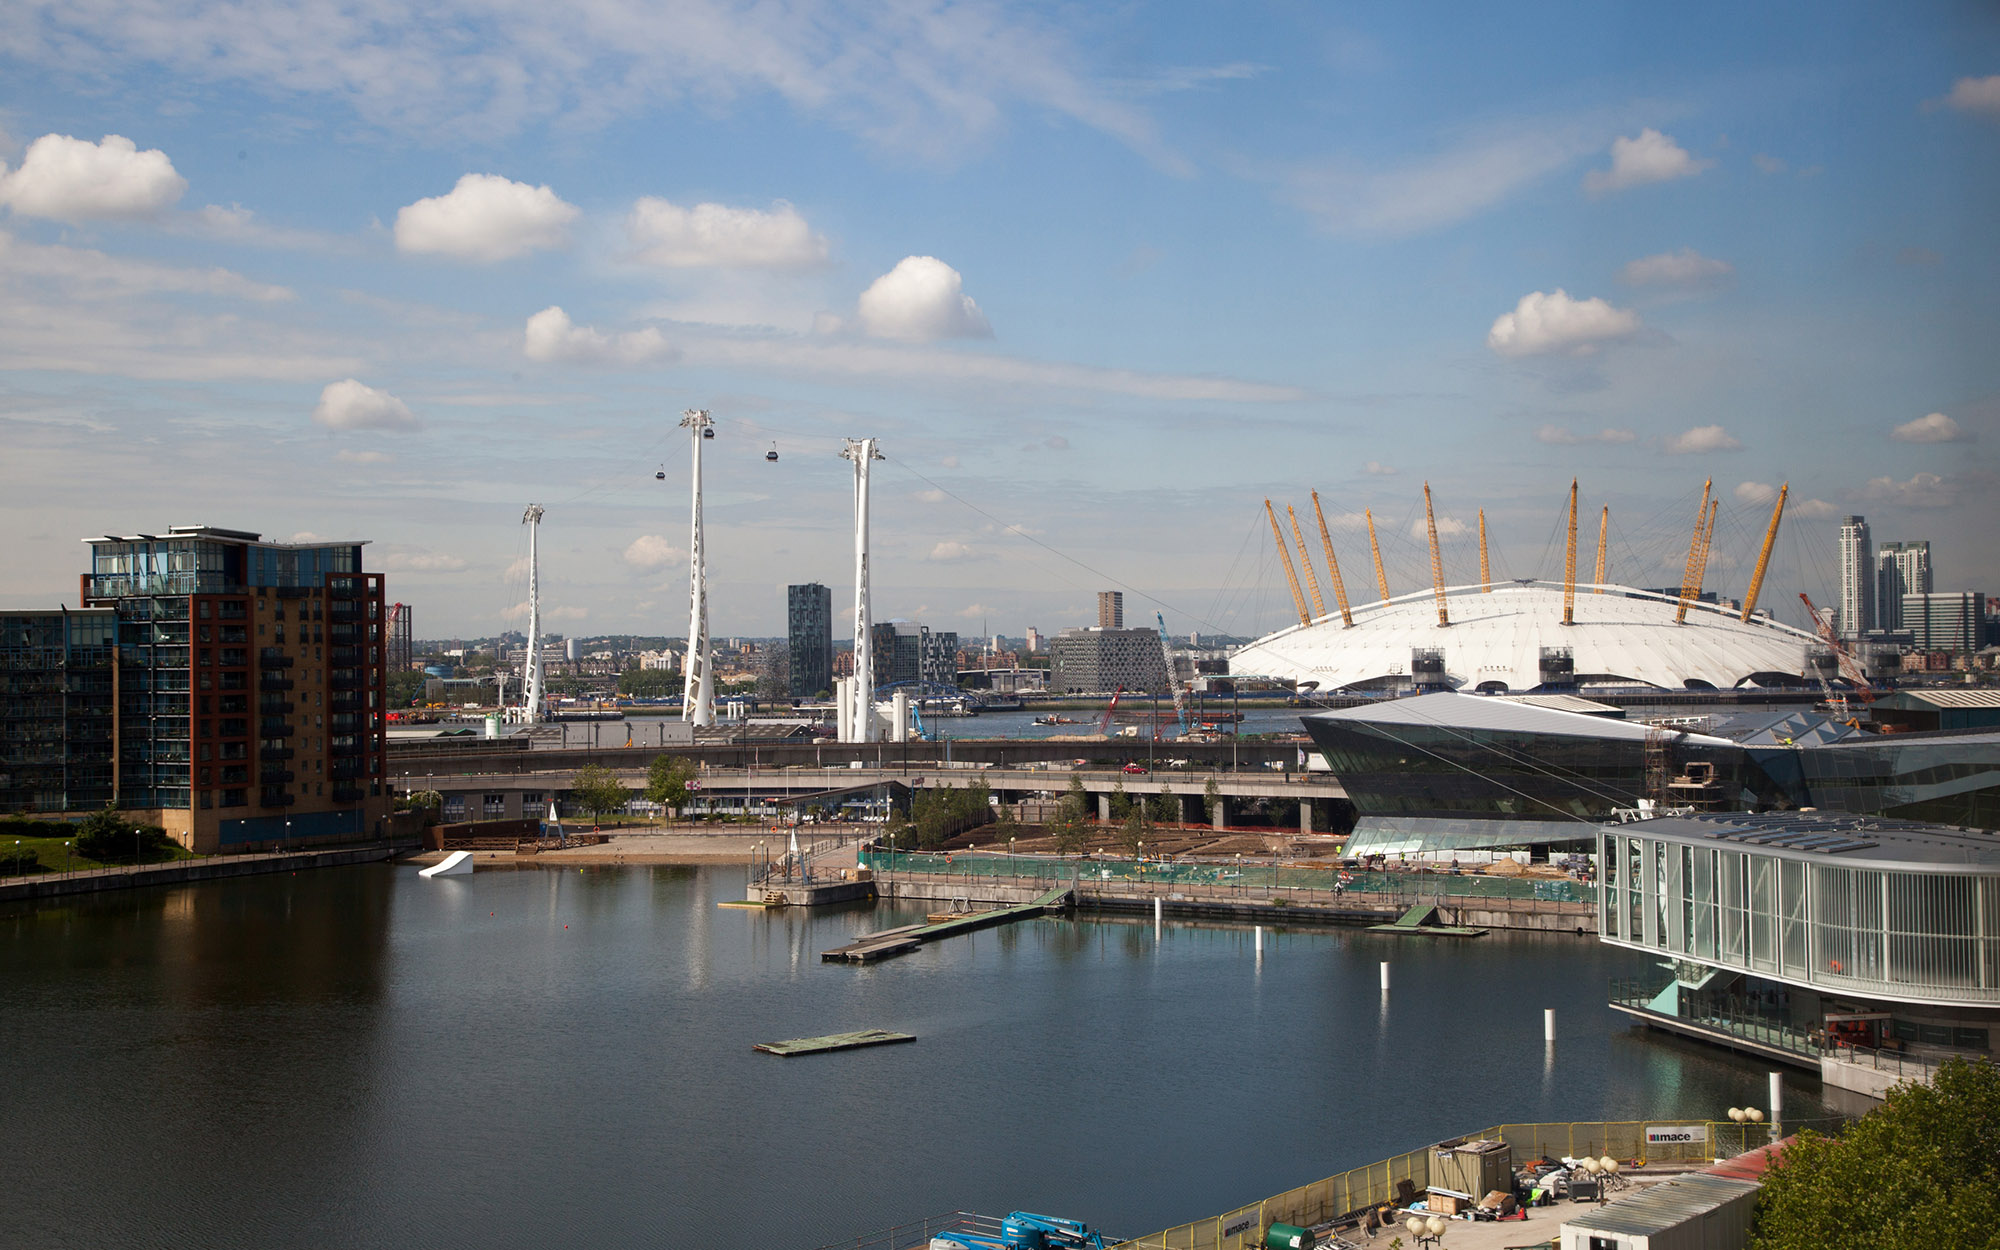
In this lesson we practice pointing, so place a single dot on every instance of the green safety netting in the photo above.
(1248, 876)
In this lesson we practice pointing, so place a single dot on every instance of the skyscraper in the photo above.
(809, 621)
(1111, 609)
(1900, 569)
(1857, 578)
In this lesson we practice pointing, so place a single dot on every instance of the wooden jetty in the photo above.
(834, 1041)
(899, 941)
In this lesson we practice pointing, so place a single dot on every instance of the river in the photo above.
(358, 1057)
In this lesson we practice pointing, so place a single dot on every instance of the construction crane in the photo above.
(1764, 555)
(1850, 668)
(1333, 566)
(1305, 562)
(1697, 561)
(1023, 1231)
(1173, 684)
(1104, 726)
(1437, 562)
(1291, 574)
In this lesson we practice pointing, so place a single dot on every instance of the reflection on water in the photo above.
(358, 1057)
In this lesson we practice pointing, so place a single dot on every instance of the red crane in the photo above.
(1850, 668)
(1104, 727)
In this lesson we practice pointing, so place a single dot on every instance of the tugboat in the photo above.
(1053, 719)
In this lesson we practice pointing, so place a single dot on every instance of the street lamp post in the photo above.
(1012, 871)
(288, 834)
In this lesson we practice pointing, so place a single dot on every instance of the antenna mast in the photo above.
(1291, 574)
(1375, 549)
(531, 712)
(1333, 566)
(1603, 533)
(1569, 562)
(1485, 576)
(1764, 556)
(862, 451)
(1437, 563)
(698, 680)
(1690, 583)
(1305, 562)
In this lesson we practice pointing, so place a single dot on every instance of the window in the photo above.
(495, 806)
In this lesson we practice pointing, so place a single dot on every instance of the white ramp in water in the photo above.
(451, 866)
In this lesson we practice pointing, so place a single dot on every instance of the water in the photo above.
(357, 1057)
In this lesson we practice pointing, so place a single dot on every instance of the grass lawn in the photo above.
(48, 855)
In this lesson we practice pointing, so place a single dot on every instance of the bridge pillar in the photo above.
(1221, 811)
(1104, 808)
(1306, 815)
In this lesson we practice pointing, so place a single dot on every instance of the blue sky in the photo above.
(1100, 279)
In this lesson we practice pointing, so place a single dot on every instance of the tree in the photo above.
(667, 780)
(1132, 834)
(1922, 1169)
(1072, 825)
(1005, 827)
(429, 802)
(1164, 808)
(649, 683)
(108, 837)
(1211, 800)
(598, 789)
(1121, 802)
(406, 686)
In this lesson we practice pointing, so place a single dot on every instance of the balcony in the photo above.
(347, 794)
(345, 770)
(272, 707)
(344, 679)
(344, 610)
(271, 657)
(347, 656)
(271, 681)
(273, 727)
(345, 703)
(272, 776)
(268, 754)
(275, 798)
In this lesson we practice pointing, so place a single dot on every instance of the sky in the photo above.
(1101, 279)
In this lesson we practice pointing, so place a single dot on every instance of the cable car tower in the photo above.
(698, 686)
(862, 727)
(531, 671)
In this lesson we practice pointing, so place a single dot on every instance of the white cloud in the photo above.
(949, 552)
(363, 457)
(1813, 510)
(974, 612)
(419, 562)
(519, 612)
(1469, 177)
(1685, 268)
(921, 299)
(931, 496)
(1769, 164)
(1056, 442)
(1552, 322)
(665, 234)
(1755, 492)
(1980, 96)
(1650, 157)
(76, 180)
(1447, 526)
(349, 405)
(1703, 439)
(1375, 468)
(1935, 428)
(1924, 490)
(1563, 436)
(485, 217)
(85, 273)
(652, 551)
(932, 80)
(949, 462)
(552, 337)
(238, 224)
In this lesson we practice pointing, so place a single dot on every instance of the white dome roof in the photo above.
(1498, 636)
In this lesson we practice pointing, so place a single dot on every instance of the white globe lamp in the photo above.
(1609, 1164)
(1415, 1224)
(1435, 1225)
(1753, 1115)
(1737, 1114)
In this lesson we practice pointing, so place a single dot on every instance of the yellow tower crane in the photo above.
(1603, 533)
(1437, 562)
(1333, 566)
(1305, 562)
(1375, 549)
(1764, 556)
(1569, 562)
(1291, 575)
(1485, 578)
(1690, 583)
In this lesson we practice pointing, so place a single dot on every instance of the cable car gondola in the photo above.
(661, 476)
(773, 453)
(708, 431)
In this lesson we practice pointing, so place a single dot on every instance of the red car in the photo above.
(1135, 768)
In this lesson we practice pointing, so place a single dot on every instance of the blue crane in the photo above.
(1022, 1231)
(1167, 657)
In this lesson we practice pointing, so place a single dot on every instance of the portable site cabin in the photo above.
(1699, 1211)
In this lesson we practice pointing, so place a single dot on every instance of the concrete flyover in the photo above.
(521, 795)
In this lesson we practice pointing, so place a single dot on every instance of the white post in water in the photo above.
(861, 451)
(1777, 1097)
(698, 684)
(1385, 976)
(1548, 1024)
(531, 711)
(1260, 939)
(1158, 912)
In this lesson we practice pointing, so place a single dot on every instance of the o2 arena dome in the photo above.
(1510, 637)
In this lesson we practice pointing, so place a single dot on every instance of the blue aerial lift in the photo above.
(1023, 1231)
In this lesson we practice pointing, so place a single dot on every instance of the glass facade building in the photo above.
(1459, 772)
(809, 633)
(57, 701)
(226, 688)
